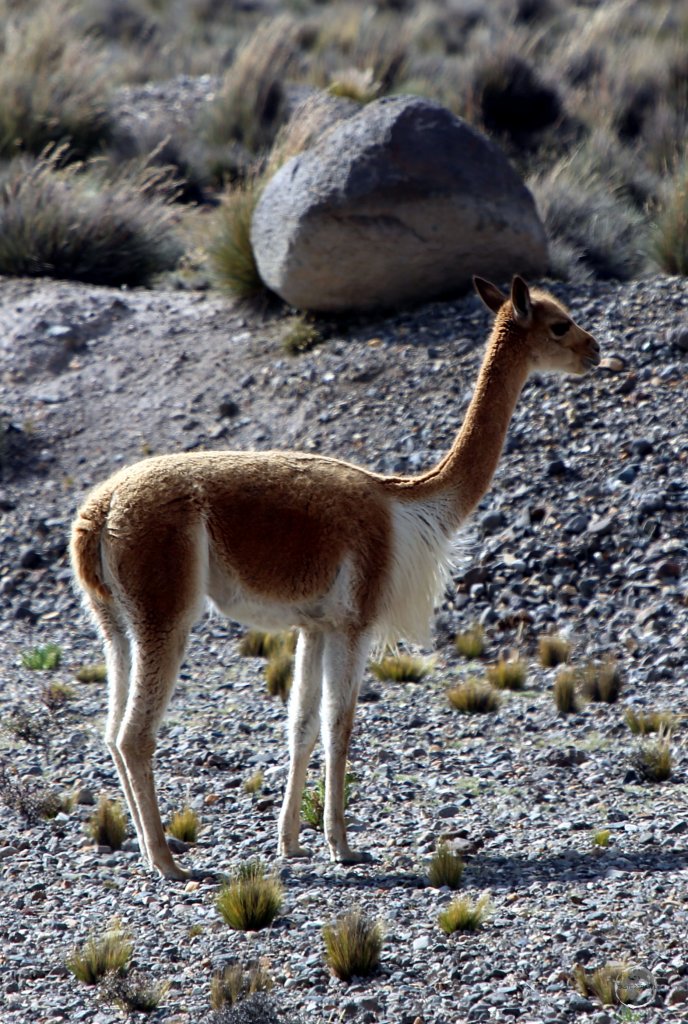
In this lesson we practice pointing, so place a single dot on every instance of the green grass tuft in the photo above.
(252, 899)
(445, 868)
(601, 837)
(401, 668)
(43, 659)
(474, 697)
(184, 825)
(353, 944)
(100, 956)
(108, 824)
(313, 801)
(464, 914)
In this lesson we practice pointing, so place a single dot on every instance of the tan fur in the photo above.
(289, 539)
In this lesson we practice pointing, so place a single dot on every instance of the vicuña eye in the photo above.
(559, 329)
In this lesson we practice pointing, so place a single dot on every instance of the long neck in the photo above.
(465, 473)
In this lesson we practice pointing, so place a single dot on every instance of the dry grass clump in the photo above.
(508, 674)
(553, 651)
(251, 104)
(401, 668)
(56, 695)
(653, 761)
(135, 992)
(670, 240)
(254, 783)
(471, 643)
(601, 837)
(252, 899)
(184, 825)
(33, 801)
(108, 824)
(67, 222)
(445, 868)
(91, 673)
(232, 983)
(258, 644)
(609, 983)
(300, 336)
(229, 250)
(564, 692)
(353, 944)
(279, 675)
(102, 955)
(464, 914)
(53, 84)
(643, 722)
(601, 681)
(474, 697)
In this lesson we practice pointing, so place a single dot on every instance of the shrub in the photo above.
(446, 868)
(564, 692)
(553, 651)
(135, 992)
(43, 659)
(507, 674)
(252, 899)
(184, 825)
(230, 253)
(99, 956)
(234, 983)
(108, 825)
(34, 802)
(353, 944)
(601, 681)
(643, 722)
(471, 643)
(250, 106)
(653, 760)
(56, 695)
(53, 86)
(401, 668)
(91, 673)
(474, 697)
(28, 726)
(464, 914)
(670, 240)
(68, 223)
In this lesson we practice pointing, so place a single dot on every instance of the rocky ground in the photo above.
(583, 533)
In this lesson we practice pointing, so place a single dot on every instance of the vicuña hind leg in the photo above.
(344, 661)
(304, 723)
(156, 664)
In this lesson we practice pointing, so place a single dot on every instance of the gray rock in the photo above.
(401, 202)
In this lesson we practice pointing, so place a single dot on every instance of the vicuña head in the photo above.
(280, 539)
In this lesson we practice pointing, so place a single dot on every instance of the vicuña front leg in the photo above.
(304, 723)
(344, 661)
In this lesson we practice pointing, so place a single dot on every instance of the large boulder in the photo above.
(399, 203)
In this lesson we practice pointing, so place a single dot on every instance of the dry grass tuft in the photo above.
(300, 336)
(670, 240)
(474, 697)
(508, 674)
(252, 899)
(610, 984)
(643, 722)
(91, 673)
(353, 944)
(464, 914)
(279, 675)
(108, 824)
(101, 956)
(553, 651)
(564, 692)
(471, 643)
(233, 983)
(401, 668)
(445, 868)
(230, 253)
(601, 681)
(653, 760)
(135, 992)
(184, 825)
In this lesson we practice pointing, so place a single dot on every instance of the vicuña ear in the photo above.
(520, 301)
(490, 294)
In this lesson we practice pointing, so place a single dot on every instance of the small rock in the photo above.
(228, 408)
(30, 558)
(678, 337)
(677, 994)
(615, 364)
(557, 467)
(669, 571)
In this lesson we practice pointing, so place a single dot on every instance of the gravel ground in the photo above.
(583, 533)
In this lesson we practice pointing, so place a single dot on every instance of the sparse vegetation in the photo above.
(641, 723)
(43, 659)
(33, 801)
(471, 643)
(56, 695)
(445, 868)
(102, 955)
(507, 674)
(313, 801)
(401, 668)
(601, 681)
(601, 837)
(231, 984)
(565, 692)
(553, 651)
(184, 825)
(279, 674)
(464, 914)
(135, 992)
(254, 783)
(353, 944)
(108, 825)
(474, 697)
(301, 335)
(252, 899)
(230, 253)
(28, 726)
(670, 240)
(257, 644)
(607, 983)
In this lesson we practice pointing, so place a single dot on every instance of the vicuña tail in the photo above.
(85, 545)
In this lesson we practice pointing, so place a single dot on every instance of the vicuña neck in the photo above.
(465, 473)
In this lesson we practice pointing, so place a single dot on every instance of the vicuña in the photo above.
(284, 539)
